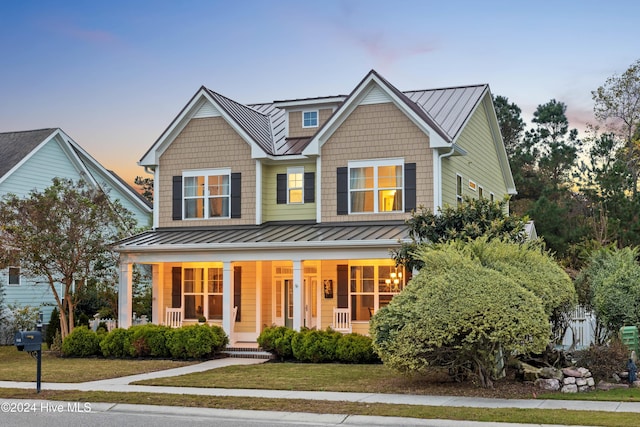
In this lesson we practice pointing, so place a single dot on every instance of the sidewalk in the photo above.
(123, 385)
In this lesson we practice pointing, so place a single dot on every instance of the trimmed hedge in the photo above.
(116, 343)
(317, 346)
(81, 342)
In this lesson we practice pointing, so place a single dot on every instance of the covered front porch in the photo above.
(246, 287)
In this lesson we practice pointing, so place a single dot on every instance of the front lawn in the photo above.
(20, 366)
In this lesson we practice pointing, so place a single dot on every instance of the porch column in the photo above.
(157, 296)
(125, 293)
(227, 293)
(298, 295)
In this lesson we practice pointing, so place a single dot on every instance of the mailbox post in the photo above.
(31, 341)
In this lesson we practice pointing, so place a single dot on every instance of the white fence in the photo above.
(582, 329)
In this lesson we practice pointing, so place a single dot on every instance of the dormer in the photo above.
(305, 116)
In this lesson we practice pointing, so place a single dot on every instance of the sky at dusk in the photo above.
(113, 74)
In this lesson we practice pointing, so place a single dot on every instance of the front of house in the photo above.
(285, 213)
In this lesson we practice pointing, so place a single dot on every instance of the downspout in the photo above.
(438, 177)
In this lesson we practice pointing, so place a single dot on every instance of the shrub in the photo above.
(52, 327)
(81, 342)
(277, 340)
(315, 346)
(190, 342)
(148, 340)
(604, 360)
(116, 343)
(220, 339)
(355, 348)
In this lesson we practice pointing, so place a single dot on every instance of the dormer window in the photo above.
(310, 119)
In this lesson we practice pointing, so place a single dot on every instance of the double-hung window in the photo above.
(373, 287)
(376, 186)
(207, 194)
(14, 276)
(459, 188)
(295, 185)
(202, 293)
(310, 119)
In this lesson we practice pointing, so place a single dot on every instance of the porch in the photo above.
(247, 278)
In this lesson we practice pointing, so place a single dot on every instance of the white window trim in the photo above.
(356, 164)
(317, 118)
(9, 276)
(492, 197)
(205, 173)
(473, 186)
(376, 287)
(459, 197)
(295, 170)
(205, 290)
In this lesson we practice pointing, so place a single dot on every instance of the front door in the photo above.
(311, 301)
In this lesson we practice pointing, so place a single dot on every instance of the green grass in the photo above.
(533, 416)
(20, 366)
(615, 395)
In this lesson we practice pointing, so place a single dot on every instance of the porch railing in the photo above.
(342, 320)
(173, 317)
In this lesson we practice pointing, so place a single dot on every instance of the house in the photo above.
(284, 213)
(29, 160)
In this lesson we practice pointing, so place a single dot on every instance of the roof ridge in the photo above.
(447, 87)
(30, 130)
(247, 106)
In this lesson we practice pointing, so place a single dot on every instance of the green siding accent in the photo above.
(481, 164)
(271, 211)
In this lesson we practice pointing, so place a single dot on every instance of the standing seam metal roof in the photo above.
(273, 233)
(446, 110)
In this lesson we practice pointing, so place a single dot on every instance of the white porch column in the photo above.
(125, 294)
(157, 295)
(298, 295)
(227, 294)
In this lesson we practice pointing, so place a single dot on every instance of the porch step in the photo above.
(248, 353)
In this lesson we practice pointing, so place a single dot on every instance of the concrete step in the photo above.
(248, 353)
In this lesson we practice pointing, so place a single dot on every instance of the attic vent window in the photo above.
(472, 185)
(310, 119)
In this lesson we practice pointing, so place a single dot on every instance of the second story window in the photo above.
(295, 185)
(207, 194)
(310, 119)
(14, 276)
(376, 186)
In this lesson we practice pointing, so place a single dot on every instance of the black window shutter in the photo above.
(343, 286)
(177, 197)
(309, 187)
(237, 290)
(409, 187)
(343, 191)
(236, 195)
(176, 287)
(281, 188)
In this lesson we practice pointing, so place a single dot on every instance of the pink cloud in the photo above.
(82, 34)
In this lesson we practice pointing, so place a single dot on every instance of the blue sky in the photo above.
(113, 74)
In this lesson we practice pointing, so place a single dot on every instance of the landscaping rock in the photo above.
(569, 380)
(530, 373)
(549, 384)
(591, 382)
(550, 372)
(581, 382)
(570, 388)
(585, 372)
(603, 385)
(572, 372)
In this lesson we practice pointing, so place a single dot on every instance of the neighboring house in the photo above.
(29, 161)
(284, 213)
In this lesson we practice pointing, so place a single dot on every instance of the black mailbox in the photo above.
(28, 340)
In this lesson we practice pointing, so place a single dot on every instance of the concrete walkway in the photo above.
(123, 384)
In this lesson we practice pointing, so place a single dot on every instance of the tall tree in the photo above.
(62, 235)
(146, 185)
(511, 124)
(617, 104)
(555, 148)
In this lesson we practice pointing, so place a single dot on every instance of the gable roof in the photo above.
(443, 112)
(15, 146)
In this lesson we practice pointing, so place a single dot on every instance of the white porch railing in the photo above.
(173, 317)
(341, 320)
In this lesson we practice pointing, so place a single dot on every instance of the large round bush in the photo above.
(148, 341)
(116, 343)
(81, 342)
(190, 342)
(277, 340)
(355, 348)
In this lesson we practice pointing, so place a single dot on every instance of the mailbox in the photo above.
(28, 340)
